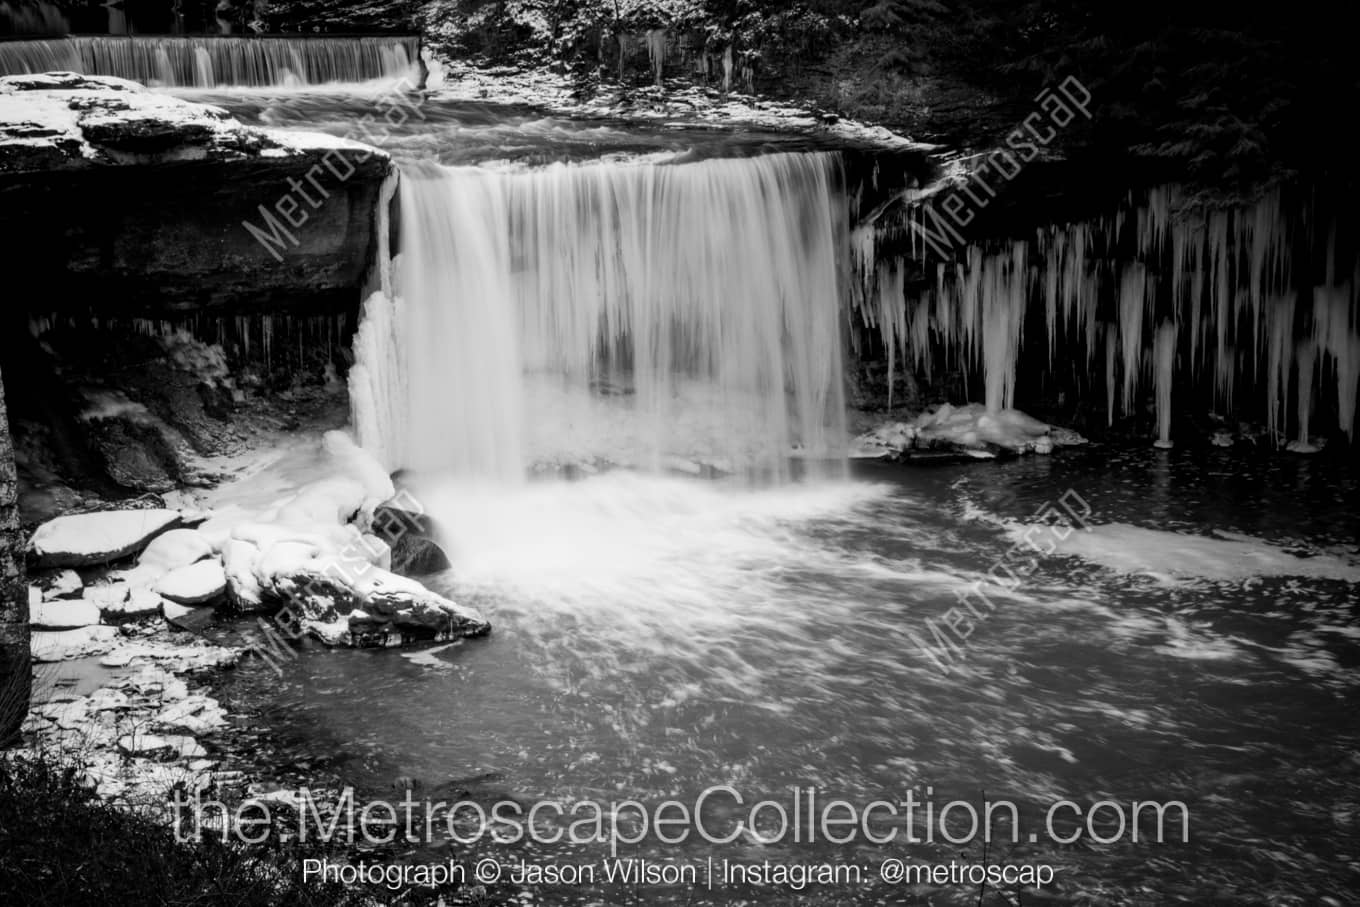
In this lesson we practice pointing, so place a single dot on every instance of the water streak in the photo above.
(632, 313)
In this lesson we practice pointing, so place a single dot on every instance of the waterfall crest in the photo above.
(212, 62)
(631, 313)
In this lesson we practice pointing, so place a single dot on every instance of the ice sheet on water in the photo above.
(1174, 557)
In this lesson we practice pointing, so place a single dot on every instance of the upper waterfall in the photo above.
(214, 62)
(628, 312)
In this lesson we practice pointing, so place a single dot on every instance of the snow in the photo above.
(174, 612)
(176, 548)
(64, 584)
(302, 142)
(63, 644)
(108, 595)
(195, 584)
(1173, 557)
(141, 744)
(139, 603)
(64, 615)
(97, 538)
(66, 105)
(970, 428)
(238, 561)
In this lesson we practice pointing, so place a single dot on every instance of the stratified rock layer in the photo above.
(119, 198)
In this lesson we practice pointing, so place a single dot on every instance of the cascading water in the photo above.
(1223, 292)
(631, 313)
(656, 636)
(212, 62)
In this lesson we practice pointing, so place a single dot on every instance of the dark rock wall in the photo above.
(190, 283)
(15, 671)
(164, 238)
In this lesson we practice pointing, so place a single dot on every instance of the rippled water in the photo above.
(655, 637)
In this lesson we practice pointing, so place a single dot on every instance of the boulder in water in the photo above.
(410, 534)
(347, 601)
(963, 431)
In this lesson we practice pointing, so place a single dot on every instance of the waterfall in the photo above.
(1239, 297)
(634, 313)
(212, 62)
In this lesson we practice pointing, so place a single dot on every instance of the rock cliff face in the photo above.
(122, 200)
(14, 654)
(139, 219)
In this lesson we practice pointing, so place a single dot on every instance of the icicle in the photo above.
(1004, 290)
(1338, 337)
(1111, 357)
(1164, 356)
(1280, 350)
(892, 318)
(1305, 354)
(267, 341)
(1133, 298)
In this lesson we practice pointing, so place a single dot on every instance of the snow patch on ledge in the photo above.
(64, 120)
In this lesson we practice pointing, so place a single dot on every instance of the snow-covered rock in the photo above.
(176, 548)
(86, 539)
(107, 596)
(143, 152)
(62, 615)
(62, 584)
(195, 584)
(140, 602)
(170, 746)
(325, 551)
(243, 587)
(966, 430)
(361, 466)
(65, 644)
(175, 613)
(373, 604)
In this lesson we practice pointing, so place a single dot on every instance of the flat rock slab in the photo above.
(169, 746)
(49, 646)
(195, 584)
(86, 539)
(187, 617)
(63, 615)
(139, 603)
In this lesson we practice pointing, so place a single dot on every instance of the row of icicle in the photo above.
(267, 339)
(1232, 313)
